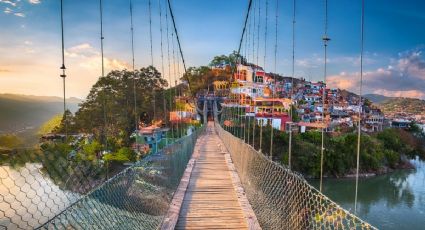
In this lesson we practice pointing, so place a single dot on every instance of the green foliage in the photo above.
(90, 151)
(10, 141)
(294, 113)
(377, 151)
(231, 60)
(111, 99)
(123, 155)
(202, 78)
(50, 125)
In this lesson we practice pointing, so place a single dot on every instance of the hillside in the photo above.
(20, 111)
(406, 105)
(377, 98)
(398, 104)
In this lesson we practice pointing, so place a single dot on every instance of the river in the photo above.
(29, 197)
(392, 201)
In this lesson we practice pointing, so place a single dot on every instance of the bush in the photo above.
(123, 155)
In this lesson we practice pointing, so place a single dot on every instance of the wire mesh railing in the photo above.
(48, 190)
(281, 198)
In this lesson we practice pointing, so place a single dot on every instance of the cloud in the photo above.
(315, 61)
(88, 57)
(22, 15)
(14, 6)
(7, 10)
(10, 2)
(4, 71)
(403, 77)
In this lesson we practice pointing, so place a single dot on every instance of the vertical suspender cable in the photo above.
(63, 75)
(151, 45)
(103, 73)
(101, 36)
(359, 131)
(162, 56)
(169, 72)
(150, 30)
(252, 38)
(325, 39)
(275, 71)
(175, 82)
(292, 84)
(136, 120)
(257, 63)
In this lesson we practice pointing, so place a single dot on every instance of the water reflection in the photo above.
(28, 197)
(392, 201)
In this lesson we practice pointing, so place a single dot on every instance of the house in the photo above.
(272, 111)
(400, 123)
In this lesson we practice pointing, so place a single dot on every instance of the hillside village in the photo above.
(269, 98)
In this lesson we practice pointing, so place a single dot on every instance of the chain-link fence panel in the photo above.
(281, 198)
(48, 190)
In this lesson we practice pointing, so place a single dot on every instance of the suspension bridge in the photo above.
(211, 178)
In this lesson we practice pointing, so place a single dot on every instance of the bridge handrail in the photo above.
(281, 198)
(137, 197)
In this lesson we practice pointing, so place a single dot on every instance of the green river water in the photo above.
(392, 201)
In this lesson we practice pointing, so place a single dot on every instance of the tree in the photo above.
(50, 125)
(202, 78)
(230, 60)
(109, 108)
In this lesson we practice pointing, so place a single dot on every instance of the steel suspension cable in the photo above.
(325, 39)
(178, 42)
(359, 131)
(292, 83)
(63, 75)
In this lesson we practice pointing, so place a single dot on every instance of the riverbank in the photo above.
(405, 165)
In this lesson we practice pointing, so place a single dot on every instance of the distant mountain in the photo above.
(377, 98)
(20, 112)
(405, 105)
(398, 104)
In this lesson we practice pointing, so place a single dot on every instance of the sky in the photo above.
(394, 41)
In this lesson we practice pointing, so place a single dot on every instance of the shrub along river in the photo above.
(391, 201)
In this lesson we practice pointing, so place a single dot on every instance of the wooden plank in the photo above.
(213, 197)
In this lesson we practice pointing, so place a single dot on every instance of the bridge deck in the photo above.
(213, 198)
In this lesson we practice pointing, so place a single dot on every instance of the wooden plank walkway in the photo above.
(214, 198)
